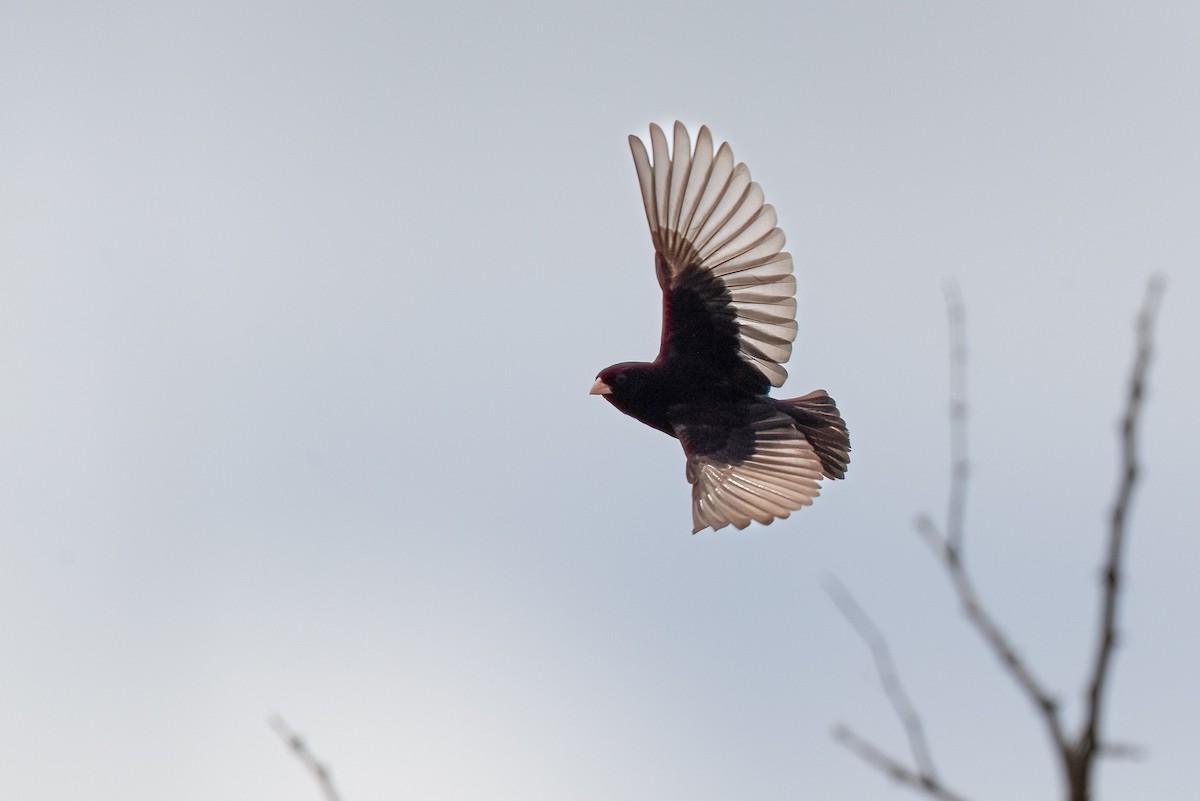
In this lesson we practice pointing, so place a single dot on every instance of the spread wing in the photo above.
(728, 289)
(760, 468)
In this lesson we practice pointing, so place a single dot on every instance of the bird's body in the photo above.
(728, 325)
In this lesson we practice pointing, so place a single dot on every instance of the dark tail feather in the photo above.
(817, 417)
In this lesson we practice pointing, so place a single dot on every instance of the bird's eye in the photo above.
(621, 378)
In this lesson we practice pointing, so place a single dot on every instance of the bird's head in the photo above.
(639, 389)
(621, 382)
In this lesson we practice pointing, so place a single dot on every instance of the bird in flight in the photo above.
(729, 320)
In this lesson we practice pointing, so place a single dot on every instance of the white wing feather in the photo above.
(703, 209)
(780, 476)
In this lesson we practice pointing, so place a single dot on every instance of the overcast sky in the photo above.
(300, 304)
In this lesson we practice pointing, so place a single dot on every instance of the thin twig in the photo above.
(892, 768)
(1130, 751)
(959, 466)
(889, 677)
(310, 761)
(1089, 738)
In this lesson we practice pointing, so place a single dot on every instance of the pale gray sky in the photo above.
(300, 303)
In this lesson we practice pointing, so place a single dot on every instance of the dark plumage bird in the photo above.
(729, 319)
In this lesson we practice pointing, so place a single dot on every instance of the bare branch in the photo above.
(1077, 755)
(1045, 703)
(300, 749)
(888, 676)
(1089, 738)
(915, 780)
(949, 547)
